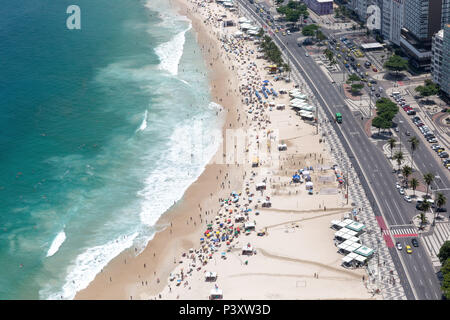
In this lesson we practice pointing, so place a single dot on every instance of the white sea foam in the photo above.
(57, 242)
(88, 264)
(190, 148)
(185, 82)
(144, 123)
(170, 52)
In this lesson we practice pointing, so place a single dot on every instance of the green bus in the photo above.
(338, 117)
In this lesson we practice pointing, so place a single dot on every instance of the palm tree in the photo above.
(414, 184)
(399, 157)
(414, 144)
(428, 177)
(392, 144)
(406, 171)
(441, 200)
(424, 207)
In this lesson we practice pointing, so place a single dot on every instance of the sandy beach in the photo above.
(294, 255)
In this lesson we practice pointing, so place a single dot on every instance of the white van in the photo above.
(395, 93)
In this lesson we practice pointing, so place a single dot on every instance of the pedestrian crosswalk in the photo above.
(403, 231)
(434, 241)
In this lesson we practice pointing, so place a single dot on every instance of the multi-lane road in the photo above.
(415, 270)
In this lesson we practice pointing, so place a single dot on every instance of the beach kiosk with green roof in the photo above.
(356, 226)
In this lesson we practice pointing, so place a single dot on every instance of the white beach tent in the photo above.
(335, 224)
(360, 259)
(210, 276)
(247, 249)
(261, 186)
(355, 239)
(249, 225)
(297, 100)
(347, 259)
(215, 294)
(244, 20)
(343, 247)
(309, 185)
(308, 108)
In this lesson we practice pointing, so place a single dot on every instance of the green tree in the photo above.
(329, 54)
(414, 144)
(424, 207)
(398, 156)
(310, 30)
(396, 63)
(353, 77)
(445, 287)
(380, 123)
(414, 184)
(444, 252)
(392, 143)
(356, 88)
(320, 36)
(441, 200)
(406, 171)
(260, 32)
(428, 178)
(430, 89)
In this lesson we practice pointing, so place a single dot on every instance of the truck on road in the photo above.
(338, 117)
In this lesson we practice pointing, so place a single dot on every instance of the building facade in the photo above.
(392, 20)
(320, 7)
(437, 57)
(421, 20)
(445, 68)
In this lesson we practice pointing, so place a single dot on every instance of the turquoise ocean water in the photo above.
(101, 130)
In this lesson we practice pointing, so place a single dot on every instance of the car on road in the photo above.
(407, 198)
(375, 69)
(402, 191)
(432, 140)
(441, 210)
(435, 147)
(396, 129)
(397, 185)
(377, 95)
(411, 112)
(399, 245)
(408, 249)
(414, 242)
(443, 155)
(408, 133)
(288, 32)
(306, 54)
